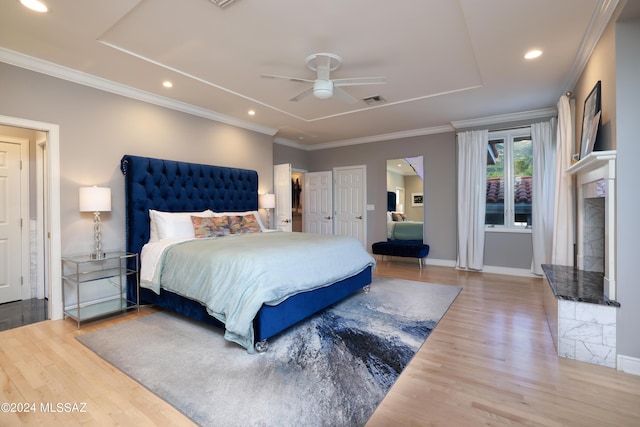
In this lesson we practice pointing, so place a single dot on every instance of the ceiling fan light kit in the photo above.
(323, 86)
(323, 89)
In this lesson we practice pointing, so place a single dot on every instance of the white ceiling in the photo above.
(447, 63)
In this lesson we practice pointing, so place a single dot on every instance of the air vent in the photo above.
(222, 3)
(376, 99)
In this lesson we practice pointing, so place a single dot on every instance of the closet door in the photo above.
(318, 202)
(350, 202)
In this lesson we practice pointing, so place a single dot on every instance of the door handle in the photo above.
(327, 217)
(359, 217)
(286, 221)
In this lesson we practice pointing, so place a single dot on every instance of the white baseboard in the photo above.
(487, 268)
(525, 272)
(440, 262)
(628, 364)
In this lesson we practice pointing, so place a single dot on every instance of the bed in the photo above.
(171, 186)
(398, 227)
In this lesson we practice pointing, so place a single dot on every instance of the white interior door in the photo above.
(350, 202)
(318, 202)
(10, 223)
(282, 191)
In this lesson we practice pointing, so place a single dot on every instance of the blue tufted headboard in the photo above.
(391, 201)
(172, 186)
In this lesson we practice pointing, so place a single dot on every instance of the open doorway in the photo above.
(22, 296)
(297, 186)
(42, 281)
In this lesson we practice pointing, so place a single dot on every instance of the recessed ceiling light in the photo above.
(167, 84)
(252, 113)
(35, 5)
(533, 54)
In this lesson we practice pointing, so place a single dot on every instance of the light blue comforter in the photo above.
(234, 275)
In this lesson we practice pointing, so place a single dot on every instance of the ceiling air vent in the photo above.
(376, 99)
(222, 3)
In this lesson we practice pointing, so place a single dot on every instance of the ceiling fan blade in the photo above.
(291, 79)
(344, 96)
(302, 95)
(360, 81)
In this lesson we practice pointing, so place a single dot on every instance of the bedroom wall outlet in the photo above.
(371, 207)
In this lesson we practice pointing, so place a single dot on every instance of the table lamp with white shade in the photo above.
(267, 201)
(95, 199)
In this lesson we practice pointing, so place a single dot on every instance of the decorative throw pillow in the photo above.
(398, 216)
(235, 224)
(245, 213)
(250, 224)
(217, 226)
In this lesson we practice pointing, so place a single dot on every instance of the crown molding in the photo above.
(460, 124)
(505, 118)
(58, 71)
(601, 17)
(367, 139)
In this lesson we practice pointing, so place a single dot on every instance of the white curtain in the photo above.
(472, 194)
(563, 231)
(544, 170)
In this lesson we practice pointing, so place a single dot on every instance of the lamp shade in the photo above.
(267, 201)
(95, 199)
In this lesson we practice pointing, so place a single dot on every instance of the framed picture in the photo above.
(417, 199)
(593, 133)
(591, 117)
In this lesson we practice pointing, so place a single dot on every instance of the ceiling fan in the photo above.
(323, 86)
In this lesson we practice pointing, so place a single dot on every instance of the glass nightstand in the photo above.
(84, 276)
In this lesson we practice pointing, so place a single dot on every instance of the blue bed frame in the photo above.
(173, 186)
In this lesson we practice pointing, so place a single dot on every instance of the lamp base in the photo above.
(98, 255)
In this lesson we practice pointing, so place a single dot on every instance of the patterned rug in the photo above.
(330, 370)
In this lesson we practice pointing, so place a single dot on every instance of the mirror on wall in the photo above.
(405, 196)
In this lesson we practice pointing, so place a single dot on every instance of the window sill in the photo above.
(508, 230)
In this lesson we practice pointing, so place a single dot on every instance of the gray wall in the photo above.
(508, 250)
(439, 183)
(601, 67)
(97, 128)
(285, 154)
(503, 250)
(615, 62)
(628, 203)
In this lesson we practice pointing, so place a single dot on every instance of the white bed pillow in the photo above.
(168, 225)
(255, 213)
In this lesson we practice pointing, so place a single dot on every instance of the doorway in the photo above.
(297, 185)
(47, 207)
(14, 207)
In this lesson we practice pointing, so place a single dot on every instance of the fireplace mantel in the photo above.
(595, 178)
(592, 161)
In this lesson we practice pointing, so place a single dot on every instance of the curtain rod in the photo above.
(510, 128)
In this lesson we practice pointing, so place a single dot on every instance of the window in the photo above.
(509, 183)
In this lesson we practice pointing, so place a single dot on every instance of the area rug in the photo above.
(332, 369)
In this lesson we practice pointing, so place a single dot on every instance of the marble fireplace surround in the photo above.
(596, 216)
(579, 302)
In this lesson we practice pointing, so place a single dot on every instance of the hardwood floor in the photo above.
(490, 361)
